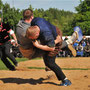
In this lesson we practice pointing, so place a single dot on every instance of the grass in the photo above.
(75, 68)
(3, 67)
(61, 68)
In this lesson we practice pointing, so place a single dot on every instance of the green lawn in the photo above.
(3, 67)
(62, 68)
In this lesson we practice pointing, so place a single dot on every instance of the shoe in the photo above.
(66, 83)
(47, 69)
(70, 47)
(16, 64)
(73, 38)
(12, 69)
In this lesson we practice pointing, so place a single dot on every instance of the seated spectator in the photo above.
(80, 50)
(87, 50)
(75, 45)
(87, 40)
(83, 43)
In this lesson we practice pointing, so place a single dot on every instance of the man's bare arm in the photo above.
(43, 47)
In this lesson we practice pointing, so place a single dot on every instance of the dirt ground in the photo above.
(39, 79)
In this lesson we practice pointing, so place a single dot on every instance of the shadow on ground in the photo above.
(30, 81)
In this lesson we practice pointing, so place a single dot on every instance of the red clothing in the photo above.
(4, 33)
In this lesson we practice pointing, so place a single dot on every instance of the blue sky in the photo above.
(67, 5)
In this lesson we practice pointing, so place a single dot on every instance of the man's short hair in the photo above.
(27, 13)
(31, 31)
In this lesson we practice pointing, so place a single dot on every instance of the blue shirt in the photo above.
(47, 31)
(83, 44)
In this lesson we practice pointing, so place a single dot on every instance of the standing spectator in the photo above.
(5, 45)
(66, 38)
(89, 40)
(84, 38)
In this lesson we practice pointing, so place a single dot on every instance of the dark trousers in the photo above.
(5, 53)
(64, 45)
(50, 62)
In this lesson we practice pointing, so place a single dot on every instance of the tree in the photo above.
(82, 18)
(11, 15)
(59, 18)
(1, 9)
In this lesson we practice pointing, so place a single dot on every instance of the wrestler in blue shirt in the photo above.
(47, 31)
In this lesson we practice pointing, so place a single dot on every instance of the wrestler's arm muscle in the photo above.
(43, 47)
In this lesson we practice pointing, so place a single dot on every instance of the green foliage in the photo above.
(11, 15)
(82, 18)
(65, 20)
(1, 4)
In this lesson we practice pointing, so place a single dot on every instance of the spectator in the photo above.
(75, 45)
(87, 40)
(83, 43)
(84, 38)
(5, 45)
(87, 50)
(80, 50)
(66, 38)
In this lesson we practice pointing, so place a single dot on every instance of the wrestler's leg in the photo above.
(69, 43)
(50, 62)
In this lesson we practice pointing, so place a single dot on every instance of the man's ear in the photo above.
(0, 19)
(32, 17)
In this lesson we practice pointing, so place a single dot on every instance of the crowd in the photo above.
(82, 48)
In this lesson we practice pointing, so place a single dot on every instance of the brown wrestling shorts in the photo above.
(31, 52)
